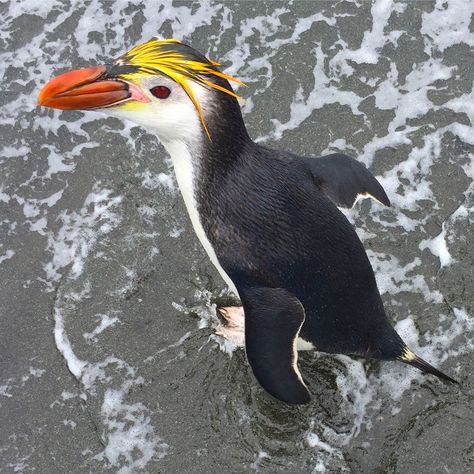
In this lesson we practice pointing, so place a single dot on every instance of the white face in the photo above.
(173, 118)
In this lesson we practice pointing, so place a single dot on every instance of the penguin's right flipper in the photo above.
(273, 319)
(344, 180)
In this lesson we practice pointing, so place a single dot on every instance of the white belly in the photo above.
(185, 175)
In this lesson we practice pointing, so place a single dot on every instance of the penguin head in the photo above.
(163, 85)
(161, 105)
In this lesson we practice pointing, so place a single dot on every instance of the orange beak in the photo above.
(84, 89)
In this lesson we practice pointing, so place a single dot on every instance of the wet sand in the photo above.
(107, 300)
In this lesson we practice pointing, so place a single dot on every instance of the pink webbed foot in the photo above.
(233, 329)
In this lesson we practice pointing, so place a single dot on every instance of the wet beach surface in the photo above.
(107, 301)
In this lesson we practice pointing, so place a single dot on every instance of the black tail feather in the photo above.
(415, 361)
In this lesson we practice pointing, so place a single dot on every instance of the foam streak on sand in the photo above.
(131, 444)
(74, 241)
(438, 247)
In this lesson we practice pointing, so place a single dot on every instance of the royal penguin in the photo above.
(268, 219)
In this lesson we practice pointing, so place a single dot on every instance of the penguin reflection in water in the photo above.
(268, 219)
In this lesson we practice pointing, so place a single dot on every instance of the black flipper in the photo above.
(273, 318)
(344, 179)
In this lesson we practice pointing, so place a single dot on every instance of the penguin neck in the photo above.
(228, 134)
(200, 163)
(203, 159)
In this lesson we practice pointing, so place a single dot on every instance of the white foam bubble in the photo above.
(394, 278)
(105, 321)
(438, 247)
(153, 181)
(75, 365)
(14, 152)
(131, 441)
(448, 24)
(7, 255)
(374, 39)
(261, 455)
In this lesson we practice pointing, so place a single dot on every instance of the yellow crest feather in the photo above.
(180, 63)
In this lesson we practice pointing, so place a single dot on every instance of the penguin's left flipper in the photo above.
(345, 180)
(273, 319)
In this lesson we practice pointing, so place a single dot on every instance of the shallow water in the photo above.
(107, 303)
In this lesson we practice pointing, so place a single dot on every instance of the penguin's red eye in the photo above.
(161, 92)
